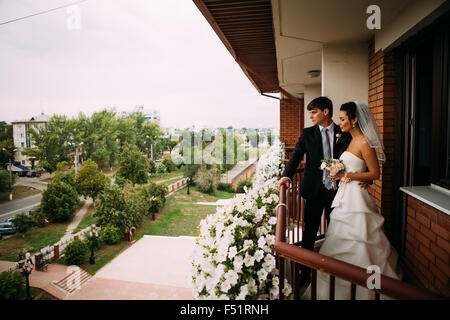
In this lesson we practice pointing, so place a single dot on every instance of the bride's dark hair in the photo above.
(350, 109)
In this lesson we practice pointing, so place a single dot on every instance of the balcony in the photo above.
(290, 255)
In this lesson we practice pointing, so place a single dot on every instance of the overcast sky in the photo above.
(159, 54)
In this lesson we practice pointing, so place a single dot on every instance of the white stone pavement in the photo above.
(153, 268)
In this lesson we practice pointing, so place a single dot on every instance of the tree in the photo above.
(113, 209)
(64, 174)
(6, 143)
(133, 165)
(90, 181)
(151, 166)
(5, 177)
(150, 135)
(59, 201)
(50, 143)
(12, 285)
(207, 180)
(23, 222)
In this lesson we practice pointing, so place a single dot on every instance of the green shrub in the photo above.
(206, 180)
(5, 180)
(38, 217)
(119, 181)
(225, 187)
(23, 222)
(169, 164)
(240, 186)
(11, 285)
(152, 166)
(59, 201)
(161, 168)
(76, 253)
(109, 234)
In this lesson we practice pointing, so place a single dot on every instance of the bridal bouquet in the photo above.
(334, 166)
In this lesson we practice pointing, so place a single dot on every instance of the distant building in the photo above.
(22, 137)
(149, 114)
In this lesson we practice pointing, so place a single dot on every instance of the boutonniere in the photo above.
(338, 135)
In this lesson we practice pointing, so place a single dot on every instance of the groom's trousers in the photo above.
(314, 207)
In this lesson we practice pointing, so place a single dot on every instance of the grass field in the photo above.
(19, 192)
(181, 215)
(32, 241)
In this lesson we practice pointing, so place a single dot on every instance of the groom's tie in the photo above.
(327, 155)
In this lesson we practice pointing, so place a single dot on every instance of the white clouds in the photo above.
(160, 54)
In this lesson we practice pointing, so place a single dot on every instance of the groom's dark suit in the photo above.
(312, 189)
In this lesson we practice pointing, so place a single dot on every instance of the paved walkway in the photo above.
(154, 268)
(240, 168)
(220, 202)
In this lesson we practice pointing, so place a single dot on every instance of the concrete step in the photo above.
(73, 281)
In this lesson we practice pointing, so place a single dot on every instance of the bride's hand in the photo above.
(336, 177)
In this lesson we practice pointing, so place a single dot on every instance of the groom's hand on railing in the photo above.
(285, 181)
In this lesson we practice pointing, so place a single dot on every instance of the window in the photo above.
(426, 101)
(22, 144)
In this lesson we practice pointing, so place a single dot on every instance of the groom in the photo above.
(324, 140)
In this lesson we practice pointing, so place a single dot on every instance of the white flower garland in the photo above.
(234, 255)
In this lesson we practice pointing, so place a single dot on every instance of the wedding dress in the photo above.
(355, 235)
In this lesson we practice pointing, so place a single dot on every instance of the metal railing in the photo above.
(290, 257)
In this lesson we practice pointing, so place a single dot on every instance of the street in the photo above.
(11, 208)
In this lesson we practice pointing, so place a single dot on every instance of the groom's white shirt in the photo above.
(330, 136)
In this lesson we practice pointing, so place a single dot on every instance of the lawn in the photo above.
(181, 215)
(168, 178)
(32, 241)
(87, 220)
(19, 192)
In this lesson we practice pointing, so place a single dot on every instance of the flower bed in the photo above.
(234, 255)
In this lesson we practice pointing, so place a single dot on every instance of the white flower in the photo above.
(243, 293)
(259, 254)
(248, 244)
(238, 262)
(287, 288)
(270, 238)
(249, 260)
(218, 240)
(232, 252)
(231, 276)
(262, 275)
(261, 242)
(225, 286)
(272, 220)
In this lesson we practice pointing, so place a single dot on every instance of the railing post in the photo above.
(56, 251)
(37, 261)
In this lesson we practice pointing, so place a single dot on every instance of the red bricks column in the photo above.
(427, 247)
(56, 251)
(382, 105)
(291, 121)
(37, 261)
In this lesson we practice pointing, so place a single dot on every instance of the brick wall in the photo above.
(381, 103)
(291, 121)
(428, 247)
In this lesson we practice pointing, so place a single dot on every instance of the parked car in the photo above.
(33, 173)
(7, 228)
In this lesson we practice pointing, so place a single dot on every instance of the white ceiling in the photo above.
(302, 27)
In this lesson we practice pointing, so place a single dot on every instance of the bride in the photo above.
(355, 232)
